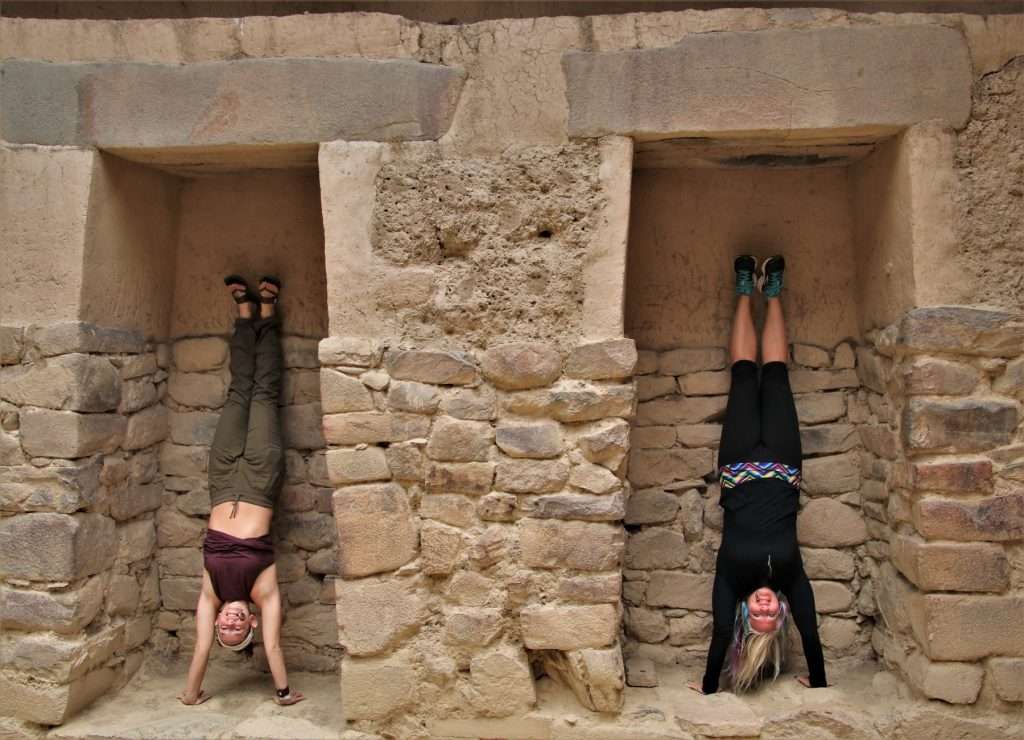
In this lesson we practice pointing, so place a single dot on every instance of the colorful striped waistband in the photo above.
(744, 472)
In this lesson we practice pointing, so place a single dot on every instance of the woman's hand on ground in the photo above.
(695, 686)
(292, 697)
(188, 700)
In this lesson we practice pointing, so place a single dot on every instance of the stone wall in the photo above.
(674, 519)
(478, 505)
(304, 537)
(946, 493)
(82, 426)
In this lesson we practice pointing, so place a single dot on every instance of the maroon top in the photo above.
(234, 564)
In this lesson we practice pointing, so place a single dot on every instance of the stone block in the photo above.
(416, 398)
(199, 354)
(605, 443)
(706, 383)
(658, 467)
(1007, 676)
(500, 682)
(300, 386)
(828, 439)
(997, 519)
(954, 683)
(56, 547)
(646, 625)
(458, 511)
(686, 361)
(376, 532)
(692, 629)
(574, 401)
(375, 688)
(474, 478)
(651, 506)
(300, 352)
(824, 522)
(970, 627)
(596, 677)
(521, 365)
(1011, 381)
(811, 356)
(137, 540)
(646, 362)
(568, 627)
(817, 408)
(146, 428)
(475, 404)
(580, 506)
(372, 427)
(349, 351)
(652, 438)
(613, 359)
(192, 428)
(198, 390)
(55, 658)
(830, 596)
(680, 590)
(74, 382)
(262, 94)
(929, 376)
(63, 487)
(695, 435)
(896, 598)
(588, 546)
(180, 592)
(828, 564)
(315, 624)
(49, 703)
(66, 612)
(455, 440)
(680, 410)
(531, 476)
(180, 561)
(593, 478)
(810, 381)
(11, 342)
(640, 672)
(497, 507)
(174, 529)
(468, 588)
(962, 425)
(472, 627)
(137, 395)
(405, 460)
(68, 434)
(965, 475)
(184, 460)
(591, 589)
(655, 386)
(537, 439)
(132, 500)
(341, 393)
(441, 547)
(439, 368)
(962, 330)
(63, 338)
(509, 728)
(374, 617)
(656, 547)
(944, 566)
(301, 427)
(310, 531)
(831, 474)
(838, 635)
(138, 366)
(346, 467)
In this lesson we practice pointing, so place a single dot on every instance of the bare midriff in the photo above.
(249, 521)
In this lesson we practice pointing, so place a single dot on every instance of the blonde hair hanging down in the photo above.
(753, 656)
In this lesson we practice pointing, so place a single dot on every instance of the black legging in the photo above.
(760, 421)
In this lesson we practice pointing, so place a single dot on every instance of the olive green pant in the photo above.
(246, 459)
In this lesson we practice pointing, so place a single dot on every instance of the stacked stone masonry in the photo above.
(942, 460)
(479, 500)
(302, 529)
(80, 485)
(675, 522)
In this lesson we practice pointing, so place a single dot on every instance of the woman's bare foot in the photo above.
(240, 294)
(694, 686)
(270, 288)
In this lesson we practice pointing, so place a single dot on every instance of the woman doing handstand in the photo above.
(245, 473)
(759, 576)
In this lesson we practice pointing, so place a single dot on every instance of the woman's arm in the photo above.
(206, 616)
(723, 607)
(801, 605)
(268, 597)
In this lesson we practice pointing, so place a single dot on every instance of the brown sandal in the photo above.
(243, 294)
(273, 294)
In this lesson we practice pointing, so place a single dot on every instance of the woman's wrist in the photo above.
(282, 693)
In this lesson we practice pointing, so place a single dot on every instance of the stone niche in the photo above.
(693, 208)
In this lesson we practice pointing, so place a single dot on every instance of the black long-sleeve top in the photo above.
(759, 548)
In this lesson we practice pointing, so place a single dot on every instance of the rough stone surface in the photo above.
(827, 523)
(1008, 678)
(456, 440)
(651, 506)
(605, 443)
(69, 434)
(962, 330)
(580, 506)
(66, 612)
(831, 474)
(611, 360)
(593, 478)
(376, 616)
(56, 547)
(596, 677)
(568, 627)
(531, 476)
(340, 393)
(928, 376)
(540, 439)
(439, 368)
(416, 398)
(521, 365)
(574, 401)
(472, 478)
(375, 529)
(500, 681)
(377, 687)
(74, 382)
(346, 467)
(656, 547)
(961, 627)
(657, 467)
(942, 566)
(579, 545)
(999, 518)
(680, 590)
(943, 475)
(348, 351)
(964, 425)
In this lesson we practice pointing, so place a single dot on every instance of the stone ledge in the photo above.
(852, 79)
(270, 101)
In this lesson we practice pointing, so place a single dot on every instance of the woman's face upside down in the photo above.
(763, 606)
(234, 621)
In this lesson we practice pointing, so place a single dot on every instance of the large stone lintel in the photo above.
(858, 80)
(242, 102)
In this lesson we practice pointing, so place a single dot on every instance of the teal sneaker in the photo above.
(770, 280)
(745, 266)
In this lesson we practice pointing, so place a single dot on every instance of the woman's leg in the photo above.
(229, 439)
(741, 429)
(780, 428)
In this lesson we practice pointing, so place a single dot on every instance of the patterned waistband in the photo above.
(744, 472)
